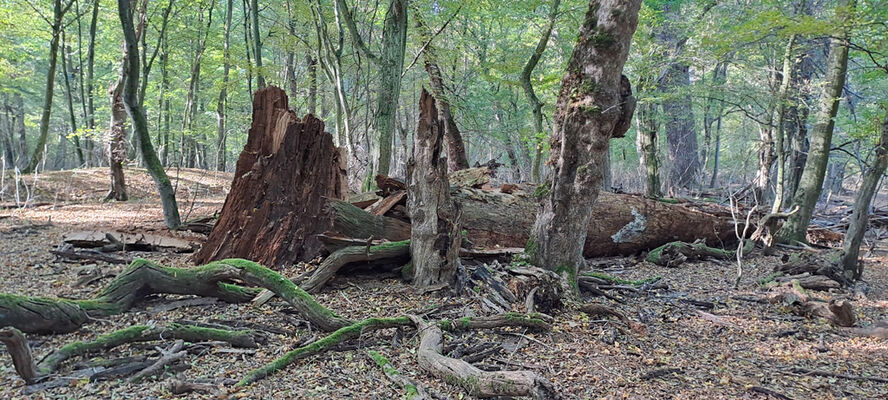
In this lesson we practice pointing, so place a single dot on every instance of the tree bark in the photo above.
(435, 218)
(811, 181)
(277, 202)
(257, 42)
(593, 107)
(117, 140)
(782, 97)
(140, 122)
(312, 84)
(860, 214)
(536, 106)
(646, 143)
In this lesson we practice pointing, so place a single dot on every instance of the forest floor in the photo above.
(685, 353)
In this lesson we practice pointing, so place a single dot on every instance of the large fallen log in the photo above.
(622, 224)
(289, 185)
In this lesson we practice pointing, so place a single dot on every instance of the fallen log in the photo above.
(129, 241)
(673, 254)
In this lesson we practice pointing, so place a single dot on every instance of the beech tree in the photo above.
(595, 104)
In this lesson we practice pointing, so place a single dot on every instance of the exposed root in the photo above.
(475, 381)
(32, 372)
(412, 389)
(674, 254)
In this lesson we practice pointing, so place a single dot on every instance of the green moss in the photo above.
(769, 278)
(464, 322)
(667, 200)
(340, 335)
(570, 272)
(601, 39)
(541, 191)
(404, 244)
(445, 324)
(283, 287)
(531, 248)
(408, 271)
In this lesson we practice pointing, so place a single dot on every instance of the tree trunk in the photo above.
(257, 42)
(536, 106)
(811, 182)
(223, 93)
(312, 84)
(390, 62)
(435, 218)
(90, 65)
(277, 204)
(69, 96)
(646, 143)
(456, 149)
(595, 104)
(766, 162)
(140, 122)
(58, 11)
(781, 125)
(860, 215)
(19, 126)
(681, 136)
(117, 141)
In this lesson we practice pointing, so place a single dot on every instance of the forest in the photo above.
(444, 199)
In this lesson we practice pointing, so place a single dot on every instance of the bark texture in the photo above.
(591, 109)
(284, 176)
(435, 218)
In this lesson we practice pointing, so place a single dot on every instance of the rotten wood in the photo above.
(287, 171)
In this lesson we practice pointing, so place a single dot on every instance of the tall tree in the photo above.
(536, 106)
(140, 122)
(223, 93)
(674, 82)
(257, 42)
(59, 10)
(860, 214)
(811, 181)
(390, 63)
(456, 149)
(594, 105)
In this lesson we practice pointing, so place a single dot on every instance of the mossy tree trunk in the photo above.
(591, 109)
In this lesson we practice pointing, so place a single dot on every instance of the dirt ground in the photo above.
(685, 354)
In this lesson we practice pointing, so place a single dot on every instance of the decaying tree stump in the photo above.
(287, 171)
(435, 235)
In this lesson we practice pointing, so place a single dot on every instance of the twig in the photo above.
(172, 354)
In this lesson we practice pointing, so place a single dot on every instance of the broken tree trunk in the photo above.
(435, 235)
(287, 171)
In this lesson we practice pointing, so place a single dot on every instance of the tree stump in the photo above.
(285, 175)
(435, 235)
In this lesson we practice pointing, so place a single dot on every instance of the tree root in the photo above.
(533, 321)
(143, 277)
(339, 336)
(168, 356)
(477, 382)
(31, 372)
(414, 391)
